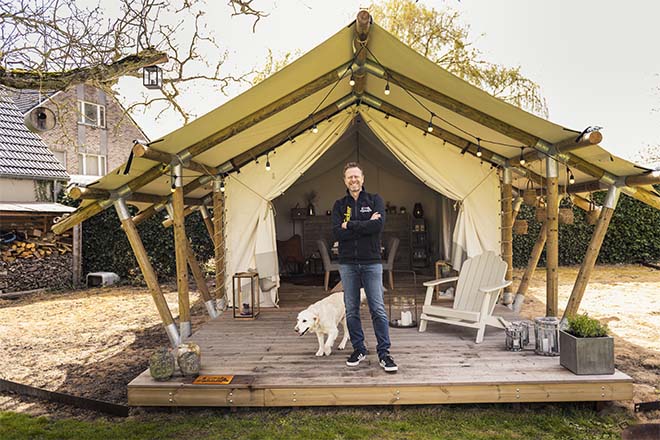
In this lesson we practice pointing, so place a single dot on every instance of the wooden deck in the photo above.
(273, 366)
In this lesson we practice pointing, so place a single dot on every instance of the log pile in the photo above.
(37, 245)
(51, 271)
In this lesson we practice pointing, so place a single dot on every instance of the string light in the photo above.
(267, 163)
(479, 153)
(315, 129)
(430, 127)
(351, 81)
(571, 177)
(222, 184)
(522, 158)
(387, 86)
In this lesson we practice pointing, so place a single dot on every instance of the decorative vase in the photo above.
(418, 212)
(161, 364)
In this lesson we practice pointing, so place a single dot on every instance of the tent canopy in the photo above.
(314, 92)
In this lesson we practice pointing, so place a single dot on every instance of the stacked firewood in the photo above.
(36, 245)
(49, 272)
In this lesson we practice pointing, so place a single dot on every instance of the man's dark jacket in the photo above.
(360, 242)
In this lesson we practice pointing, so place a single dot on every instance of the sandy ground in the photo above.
(91, 343)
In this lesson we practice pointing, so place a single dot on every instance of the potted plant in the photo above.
(585, 347)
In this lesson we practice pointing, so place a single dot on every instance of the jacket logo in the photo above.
(365, 209)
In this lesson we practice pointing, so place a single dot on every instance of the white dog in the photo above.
(322, 318)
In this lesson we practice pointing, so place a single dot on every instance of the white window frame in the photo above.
(100, 114)
(65, 156)
(102, 163)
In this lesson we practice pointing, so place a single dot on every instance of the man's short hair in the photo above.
(352, 165)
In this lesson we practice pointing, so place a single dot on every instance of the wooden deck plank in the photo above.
(275, 367)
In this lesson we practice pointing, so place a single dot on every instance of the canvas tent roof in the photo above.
(219, 149)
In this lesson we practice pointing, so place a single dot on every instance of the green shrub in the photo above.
(631, 237)
(582, 326)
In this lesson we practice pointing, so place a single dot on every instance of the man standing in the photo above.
(357, 222)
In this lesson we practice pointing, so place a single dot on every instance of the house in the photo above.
(30, 178)
(93, 133)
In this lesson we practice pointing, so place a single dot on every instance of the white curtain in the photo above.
(459, 177)
(250, 222)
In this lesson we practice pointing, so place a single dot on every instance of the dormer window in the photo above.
(91, 114)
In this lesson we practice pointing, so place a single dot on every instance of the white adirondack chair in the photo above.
(480, 283)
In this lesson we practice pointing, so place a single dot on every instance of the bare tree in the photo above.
(54, 44)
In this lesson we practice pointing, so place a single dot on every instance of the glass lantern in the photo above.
(546, 332)
(246, 297)
(514, 337)
(402, 311)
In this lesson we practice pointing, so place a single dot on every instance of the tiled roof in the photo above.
(22, 152)
(28, 99)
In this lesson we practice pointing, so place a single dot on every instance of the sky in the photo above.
(597, 62)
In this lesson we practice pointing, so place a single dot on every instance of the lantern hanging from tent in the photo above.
(152, 77)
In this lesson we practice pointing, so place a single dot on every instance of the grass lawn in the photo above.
(456, 422)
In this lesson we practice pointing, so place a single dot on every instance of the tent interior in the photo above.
(384, 175)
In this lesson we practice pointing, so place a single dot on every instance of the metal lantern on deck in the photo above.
(246, 298)
(152, 77)
(546, 332)
(402, 310)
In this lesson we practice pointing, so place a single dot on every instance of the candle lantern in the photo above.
(246, 303)
(546, 332)
(152, 77)
(402, 310)
(514, 337)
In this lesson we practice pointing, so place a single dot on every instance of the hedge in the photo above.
(633, 235)
(106, 248)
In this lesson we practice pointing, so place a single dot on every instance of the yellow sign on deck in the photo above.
(213, 380)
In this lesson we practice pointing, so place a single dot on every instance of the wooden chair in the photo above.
(328, 264)
(290, 256)
(388, 265)
(480, 283)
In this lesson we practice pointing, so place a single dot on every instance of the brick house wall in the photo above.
(71, 137)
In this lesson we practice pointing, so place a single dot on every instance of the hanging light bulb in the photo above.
(351, 81)
(267, 163)
(222, 184)
(387, 87)
(571, 177)
(315, 129)
(522, 158)
(430, 127)
(479, 153)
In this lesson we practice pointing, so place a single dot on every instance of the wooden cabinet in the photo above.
(396, 225)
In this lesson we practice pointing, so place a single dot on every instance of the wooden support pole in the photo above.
(146, 152)
(169, 221)
(507, 231)
(76, 259)
(180, 243)
(650, 178)
(570, 144)
(552, 244)
(219, 242)
(592, 252)
(200, 281)
(81, 193)
(147, 271)
(362, 27)
(206, 217)
(584, 204)
(517, 203)
(533, 262)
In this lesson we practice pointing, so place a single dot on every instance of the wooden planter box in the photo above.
(586, 355)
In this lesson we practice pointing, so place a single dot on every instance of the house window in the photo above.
(61, 157)
(91, 164)
(91, 114)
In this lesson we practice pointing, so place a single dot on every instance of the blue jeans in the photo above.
(369, 276)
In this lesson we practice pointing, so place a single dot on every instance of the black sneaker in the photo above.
(354, 359)
(388, 364)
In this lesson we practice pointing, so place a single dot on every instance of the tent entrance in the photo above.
(322, 184)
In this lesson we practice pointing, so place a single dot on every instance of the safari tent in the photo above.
(473, 149)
